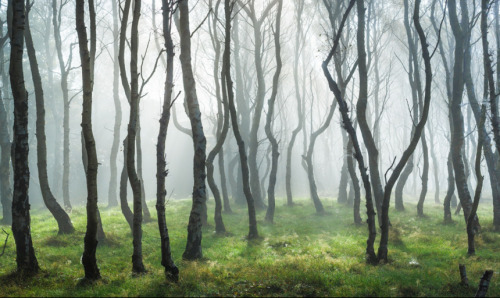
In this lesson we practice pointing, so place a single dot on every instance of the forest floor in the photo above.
(302, 254)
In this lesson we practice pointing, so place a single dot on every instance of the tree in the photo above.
(257, 23)
(222, 128)
(26, 259)
(5, 144)
(457, 137)
(64, 68)
(89, 260)
(62, 218)
(168, 7)
(112, 199)
(332, 84)
(252, 227)
(269, 119)
(193, 245)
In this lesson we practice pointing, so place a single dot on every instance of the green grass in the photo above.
(302, 254)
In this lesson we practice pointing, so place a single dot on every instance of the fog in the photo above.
(393, 95)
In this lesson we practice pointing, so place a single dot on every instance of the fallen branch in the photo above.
(463, 275)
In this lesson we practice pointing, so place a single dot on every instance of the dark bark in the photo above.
(477, 195)
(222, 126)
(269, 117)
(89, 260)
(252, 229)
(133, 125)
(384, 238)
(62, 218)
(361, 107)
(372, 232)
(25, 253)
(463, 275)
(344, 172)
(451, 189)
(193, 245)
(457, 137)
(355, 183)
(168, 6)
(484, 283)
(488, 69)
(127, 213)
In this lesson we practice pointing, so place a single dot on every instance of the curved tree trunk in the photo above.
(62, 218)
(252, 227)
(355, 183)
(112, 198)
(127, 213)
(25, 253)
(167, 262)
(64, 68)
(270, 112)
(193, 245)
(89, 260)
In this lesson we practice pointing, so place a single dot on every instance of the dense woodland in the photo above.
(385, 110)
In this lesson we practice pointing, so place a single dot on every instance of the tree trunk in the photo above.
(112, 198)
(493, 96)
(64, 67)
(193, 245)
(25, 253)
(89, 260)
(269, 117)
(299, 6)
(5, 146)
(222, 126)
(372, 232)
(355, 183)
(167, 261)
(133, 125)
(384, 238)
(252, 229)
(62, 218)
(127, 213)
(138, 144)
(457, 137)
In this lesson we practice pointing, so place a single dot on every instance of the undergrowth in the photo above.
(301, 254)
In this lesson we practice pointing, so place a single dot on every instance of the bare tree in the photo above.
(168, 7)
(269, 118)
(193, 245)
(89, 260)
(26, 259)
(62, 218)
(252, 230)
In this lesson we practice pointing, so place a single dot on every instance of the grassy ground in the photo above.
(301, 254)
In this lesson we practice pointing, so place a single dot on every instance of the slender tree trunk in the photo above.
(64, 69)
(470, 220)
(193, 245)
(299, 6)
(457, 137)
(138, 144)
(89, 260)
(167, 261)
(435, 167)
(112, 197)
(127, 213)
(25, 253)
(253, 232)
(493, 96)
(133, 125)
(62, 218)
(372, 232)
(355, 183)
(5, 146)
(222, 126)
(384, 238)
